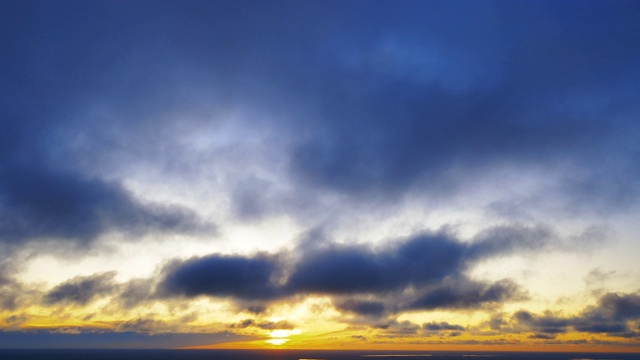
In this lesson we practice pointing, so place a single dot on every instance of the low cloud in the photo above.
(82, 289)
(398, 328)
(467, 294)
(141, 325)
(223, 276)
(613, 315)
(442, 326)
(432, 265)
(547, 324)
(265, 325)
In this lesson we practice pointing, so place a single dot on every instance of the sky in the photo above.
(320, 174)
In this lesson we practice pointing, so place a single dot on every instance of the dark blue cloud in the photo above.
(613, 315)
(51, 204)
(386, 97)
(392, 95)
(386, 132)
(468, 295)
(433, 265)
(442, 326)
(420, 261)
(360, 307)
(335, 270)
(61, 59)
(223, 276)
(547, 324)
(399, 328)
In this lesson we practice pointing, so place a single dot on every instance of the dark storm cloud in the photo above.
(613, 316)
(547, 324)
(223, 276)
(455, 293)
(82, 289)
(46, 203)
(387, 132)
(433, 265)
(385, 97)
(55, 66)
(420, 261)
(465, 294)
(361, 307)
(616, 307)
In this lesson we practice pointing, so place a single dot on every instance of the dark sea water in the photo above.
(297, 355)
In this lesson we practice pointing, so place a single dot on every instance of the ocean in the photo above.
(298, 355)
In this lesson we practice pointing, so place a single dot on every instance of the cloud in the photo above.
(15, 294)
(368, 110)
(391, 107)
(265, 325)
(141, 325)
(616, 307)
(363, 307)
(547, 324)
(10, 292)
(384, 133)
(222, 276)
(398, 328)
(442, 326)
(135, 292)
(51, 204)
(509, 239)
(466, 294)
(612, 316)
(81, 290)
(432, 265)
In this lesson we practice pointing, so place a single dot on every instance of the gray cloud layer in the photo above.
(421, 96)
(614, 315)
(432, 265)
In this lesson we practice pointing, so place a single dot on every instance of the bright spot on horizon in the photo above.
(277, 341)
(282, 333)
(281, 336)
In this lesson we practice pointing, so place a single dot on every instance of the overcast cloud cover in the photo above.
(396, 169)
